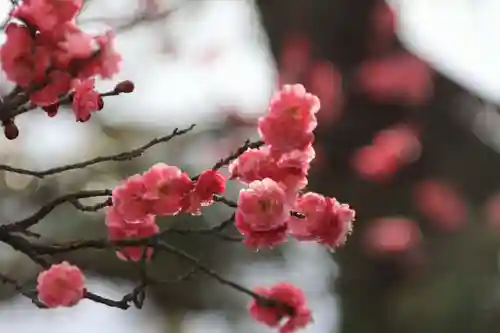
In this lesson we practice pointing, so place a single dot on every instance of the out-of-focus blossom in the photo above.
(390, 150)
(392, 235)
(383, 24)
(441, 204)
(400, 78)
(325, 82)
(492, 211)
(295, 58)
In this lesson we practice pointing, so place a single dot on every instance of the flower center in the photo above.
(294, 112)
(265, 205)
(164, 188)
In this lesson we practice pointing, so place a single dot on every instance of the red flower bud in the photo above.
(126, 86)
(10, 129)
(51, 109)
(101, 103)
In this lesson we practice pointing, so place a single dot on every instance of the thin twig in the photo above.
(264, 301)
(47, 208)
(91, 208)
(237, 153)
(218, 228)
(247, 145)
(21, 290)
(24, 246)
(128, 155)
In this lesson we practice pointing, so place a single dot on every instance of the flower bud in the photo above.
(100, 103)
(10, 129)
(126, 86)
(51, 109)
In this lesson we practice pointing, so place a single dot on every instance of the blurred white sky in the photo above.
(459, 38)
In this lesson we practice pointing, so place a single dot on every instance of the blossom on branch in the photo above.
(23, 59)
(61, 285)
(166, 186)
(47, 15)
(85, 100)
(47, 51)
(262, 214)
(128, 198)
(296, 312)
(209, 182)
(291, 119)
(325, 220)
(120, 228)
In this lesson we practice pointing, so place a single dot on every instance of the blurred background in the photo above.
(408, 135)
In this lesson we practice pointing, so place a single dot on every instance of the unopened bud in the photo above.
(51, 109)
(100, 103)
(126, 86)
(10, 129)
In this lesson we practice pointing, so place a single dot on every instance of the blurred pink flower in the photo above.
(295, 57)
(492, 211)
(400, 78)
(392, 234)
(325, 82)
(390, 150)
(441, 204)
(383, 26)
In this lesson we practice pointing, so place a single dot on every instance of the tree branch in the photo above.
(21, 290)
(124, 156)
(30, 221)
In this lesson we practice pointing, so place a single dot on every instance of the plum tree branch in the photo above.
(124, 156)
(46, 209)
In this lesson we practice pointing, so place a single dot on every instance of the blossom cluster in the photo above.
(163, 190)
(274, 205)
(51, 59)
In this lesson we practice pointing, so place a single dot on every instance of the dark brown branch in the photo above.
(247, 145)
(47, 208)
(21, 290)
(102, 243)
(237, 153)
(202, 268)
(91, 208)
(227, 202)
(24, 246)
(124, 156)
(264, 301)
(137, 296)
(218, 228)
